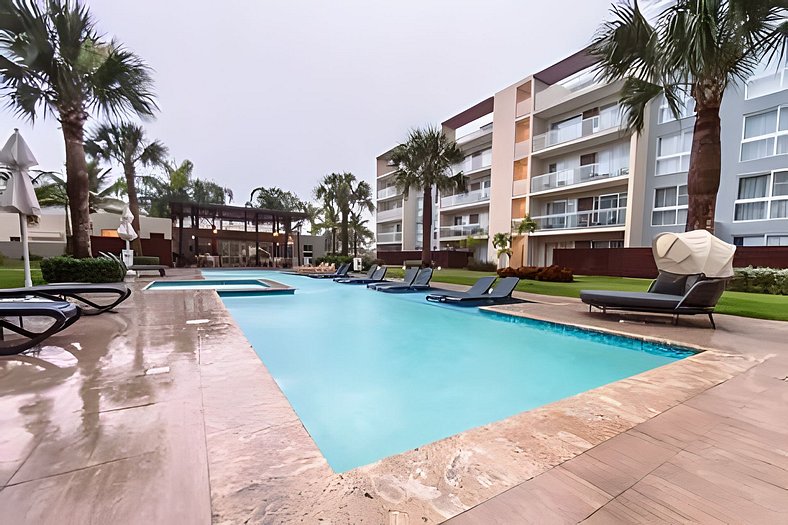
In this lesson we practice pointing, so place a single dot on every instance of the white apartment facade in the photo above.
(553, 146)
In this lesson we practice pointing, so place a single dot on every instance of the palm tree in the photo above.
(327, 220)
(51, 191)
(158, 191)
(425, 161)
(358, 228)
(697, 48)
(125, 144)
(346, 194)
(53, 59)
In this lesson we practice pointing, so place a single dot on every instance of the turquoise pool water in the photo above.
(209, 284)
(373, 374)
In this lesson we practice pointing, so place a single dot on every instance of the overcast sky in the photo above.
(280, 93)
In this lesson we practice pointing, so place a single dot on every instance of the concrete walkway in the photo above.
(162, 413)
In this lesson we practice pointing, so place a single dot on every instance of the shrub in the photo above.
(480, 266)
(554, 273)
(144, 260)
(760, 280)
(68, 269)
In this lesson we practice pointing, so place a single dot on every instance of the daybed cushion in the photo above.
(660, 301)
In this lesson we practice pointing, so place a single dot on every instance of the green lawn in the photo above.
(12, 273)
(761, 306)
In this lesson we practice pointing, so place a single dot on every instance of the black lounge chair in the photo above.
(502, 293)
(340, 273)
(63, 315)
(419, 284)
(669, 294)
(76, 292)
(407, 280)
(149, 268)
(481, 286)
(375, 275)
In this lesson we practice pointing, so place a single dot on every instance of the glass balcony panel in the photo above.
(607, 119)
(582, 219)
(579, 175)
(466, 198)
(391, 191)
(463, 230)
(389, 237)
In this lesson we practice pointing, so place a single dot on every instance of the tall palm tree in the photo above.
(53, 61)
(359, 230)
(173, 185)
(327, 220)
(694, 47)
(425, 161)
(346, 194)
(125, 144)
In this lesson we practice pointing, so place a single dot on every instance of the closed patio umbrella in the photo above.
(126, 230)
(693, 252)
(19, 196)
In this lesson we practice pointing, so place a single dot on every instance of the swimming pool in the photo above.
(224, 287)
(373, 374)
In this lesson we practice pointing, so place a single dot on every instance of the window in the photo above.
(673, 152)
(670, 206)
(762, 197)
(606, 244)
(767, 84)
(777, 240)
(765, 134)
(308, 250)
(109, 233)
(686, 109)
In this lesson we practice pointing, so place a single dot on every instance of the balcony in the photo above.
(608, 119)
(580, 175)
(523, 107)
(389, 237)
(582, 219)
(522, 149)
(386, 193)
(466, 198)
(389, 215)
(463, 230)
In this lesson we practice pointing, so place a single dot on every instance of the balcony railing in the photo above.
(387, 237)
(587, 173)
(385, 193)
(387, 215)
(607, 119)
(466, 198)
(463, 230)
(582, 219)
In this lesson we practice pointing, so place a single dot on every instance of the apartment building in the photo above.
(556, 149)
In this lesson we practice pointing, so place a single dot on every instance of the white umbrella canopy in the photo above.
(19, 196)
(126, 230)
(693, 252)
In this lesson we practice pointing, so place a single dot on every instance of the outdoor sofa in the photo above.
(670, 293)
(62, 314)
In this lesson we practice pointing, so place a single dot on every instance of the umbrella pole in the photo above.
(25, 250)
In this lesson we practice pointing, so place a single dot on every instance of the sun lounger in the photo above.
(419, 284)
(149, 268)
(502, 293)
(375, 275)
(61, 313)
(481, 286)
(342, 272)
(669, 294)
(407, 280)
(76, 292)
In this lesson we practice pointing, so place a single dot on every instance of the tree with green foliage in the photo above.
(359, 231)
(274, 198)
(425, 161)
(327, 220)
(697, 48)
(125, 144)
(347, 195)
(178, 184)
(54, 61)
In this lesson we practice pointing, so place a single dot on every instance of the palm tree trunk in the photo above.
(134, 205)
(77, 183)
(334, 241)
(703, 179)
(345, 232)
(426, 228)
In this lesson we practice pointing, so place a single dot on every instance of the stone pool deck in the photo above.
(162, 413)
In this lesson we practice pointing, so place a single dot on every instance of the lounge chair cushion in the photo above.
(670, 284)
(613, 299)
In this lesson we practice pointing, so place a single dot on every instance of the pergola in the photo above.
(218, 222)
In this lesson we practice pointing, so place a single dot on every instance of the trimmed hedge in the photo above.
(144, 259)
(554, 273)
(69, 270)
(760, 280)
(481, 266)
(339, 260)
